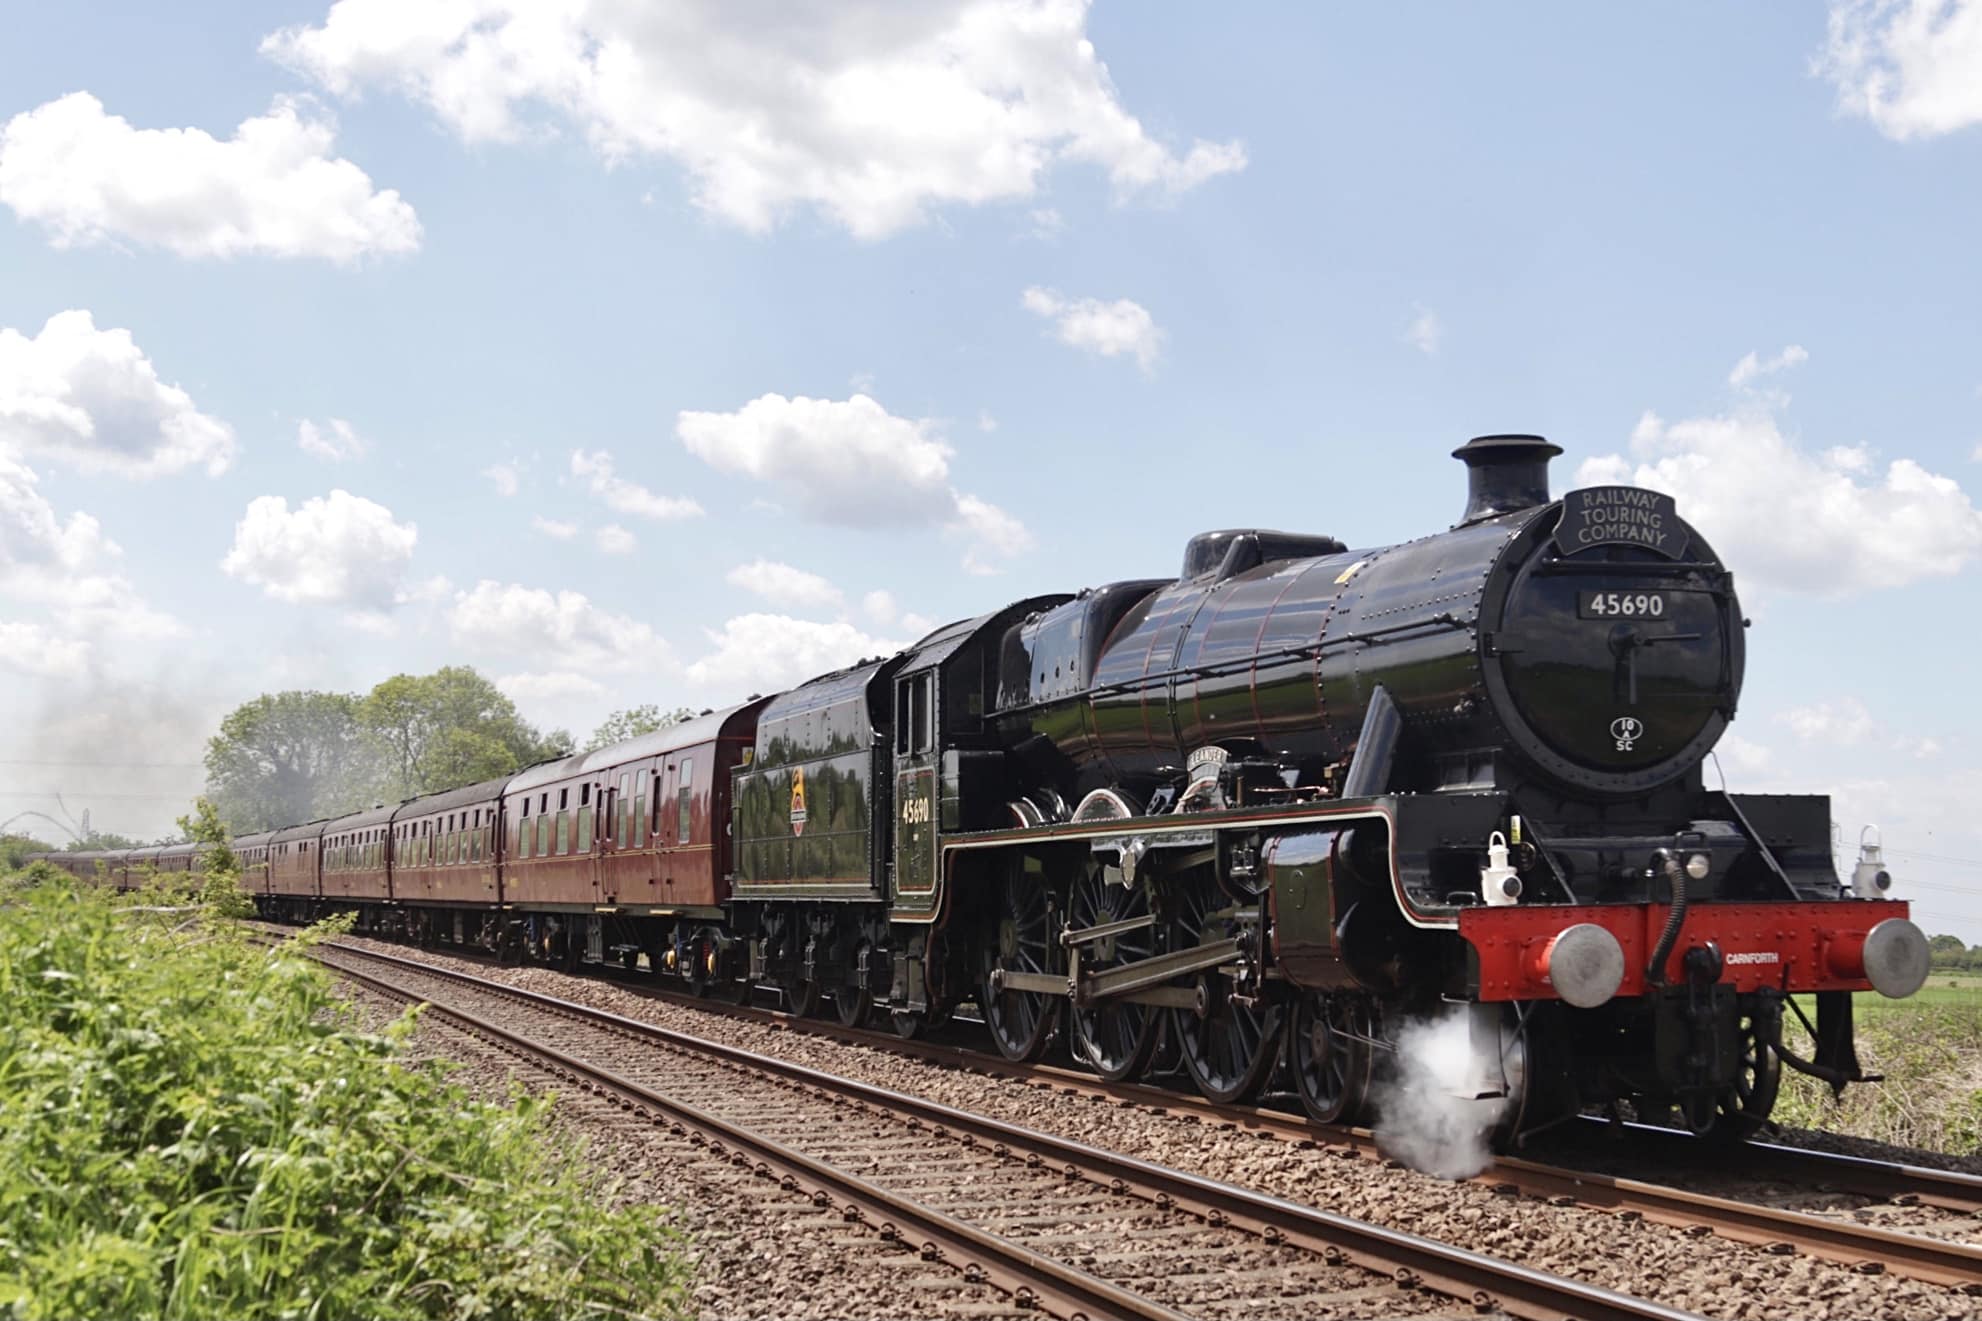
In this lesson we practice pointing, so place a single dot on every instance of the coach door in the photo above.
(915, 783)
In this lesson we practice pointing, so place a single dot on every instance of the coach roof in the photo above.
(702, 729)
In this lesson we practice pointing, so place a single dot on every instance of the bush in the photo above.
(192, 1126)
(1931, 1095)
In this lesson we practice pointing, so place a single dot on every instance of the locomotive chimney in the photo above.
(1504, 473)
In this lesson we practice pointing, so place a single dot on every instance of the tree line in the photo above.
(1949, 954)
(303, 755)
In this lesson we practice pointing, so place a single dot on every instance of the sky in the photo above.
(673, 352)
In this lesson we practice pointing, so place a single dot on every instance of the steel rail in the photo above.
(1032, 1279)
(1862, 1247)
(1891, 1181)
(1414, 1261)
(1942, 1262)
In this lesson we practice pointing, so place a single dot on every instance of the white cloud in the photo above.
(782, 584)
(879, 606)
(91, 398)
(624, 496)
(505, 477)
(1425, 331)
(764, 653)
(990, 530)
(335, 440)
(1742, 756)
(1829, 523)
(1045, 224)
(985, 422)
(1911, 67)
(872, 112)
(1109, 329)
(850, 463)
(559, 628)
(1920, 748)
(1753, 365)
(612, 539)
(272, 189)
(427, 590)
(339, 549)
(31, 649)
(67, 565)
(1844, 723)
(554, 686)
(550, 527)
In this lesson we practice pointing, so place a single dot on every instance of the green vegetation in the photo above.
(1948, 954)
(287, 758)
(1928, 1047)
(633, 722)
(14, 851)
(193, 1126)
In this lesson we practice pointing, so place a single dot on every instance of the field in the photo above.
(1929, 1047)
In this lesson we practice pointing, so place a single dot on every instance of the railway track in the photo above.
(1867, 1248)
(1076, 1230)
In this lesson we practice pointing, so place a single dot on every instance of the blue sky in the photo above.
(852, 318)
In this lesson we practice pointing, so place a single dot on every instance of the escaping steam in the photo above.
(1430, 1113)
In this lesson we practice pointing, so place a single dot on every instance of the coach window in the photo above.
(640, 779)
(622, 833)
(685, 798)
(543, 825)
(523, 831)
(584, 818)
(564, 821)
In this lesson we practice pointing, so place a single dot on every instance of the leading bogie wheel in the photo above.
(1742, 1111)
(1329, 1057)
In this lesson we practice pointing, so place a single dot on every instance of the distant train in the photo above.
(1254, 818)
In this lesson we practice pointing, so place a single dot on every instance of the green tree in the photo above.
(14, 850)
(203, 826)
(449, 728)
(1946, 952)
(290, 757)
(633, 722)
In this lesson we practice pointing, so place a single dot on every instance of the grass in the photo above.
(1929, 1049)
(192, 1126)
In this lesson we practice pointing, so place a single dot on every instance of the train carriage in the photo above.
(294, 879)
(355, 855)
(446, 847)
(251, 855)
(629, 843)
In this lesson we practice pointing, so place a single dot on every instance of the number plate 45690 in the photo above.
(1623, 605)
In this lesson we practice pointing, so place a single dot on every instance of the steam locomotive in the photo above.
(1249, 822)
